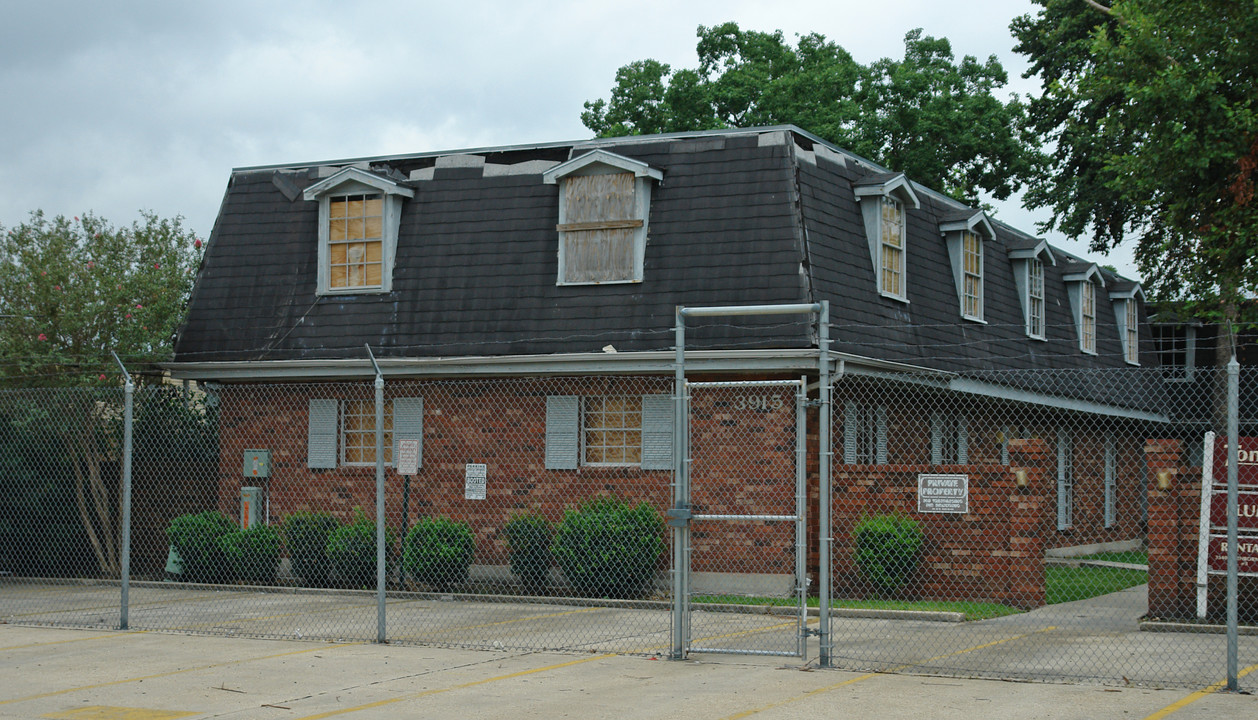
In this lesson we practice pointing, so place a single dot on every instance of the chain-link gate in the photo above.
(745, 562)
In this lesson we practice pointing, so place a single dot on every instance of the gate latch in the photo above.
(678, 517)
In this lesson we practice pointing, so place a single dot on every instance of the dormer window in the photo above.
(892, 239)
(1082, 280)
(1125, 296)
(964, 232)
(1028, 256)
(604, 206)
(359, 215)
(1035, 296)
(884, 199)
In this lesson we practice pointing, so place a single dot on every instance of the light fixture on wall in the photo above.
(1020, 477)
(1164, 479)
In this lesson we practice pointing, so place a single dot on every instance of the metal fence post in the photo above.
(380, 531)
(824, 493)
(1233, 468)
(128, 392)
(680, 494)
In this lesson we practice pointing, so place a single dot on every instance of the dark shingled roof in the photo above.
(740, 218)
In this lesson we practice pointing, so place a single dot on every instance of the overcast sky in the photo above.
(127, 105)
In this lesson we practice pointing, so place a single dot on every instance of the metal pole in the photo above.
(1233, 443)
(824, 492)
(128, 392)
(680, 566)
(801, 512)
(380, 534)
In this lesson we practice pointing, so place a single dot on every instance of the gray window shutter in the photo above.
(936, 439)
(408, 424)
(1062, 439)
(963, 441)
(657, 432)
(850, 420)
(563, 432)
(1109, 481)
(880, 451)
(1004, 445)
(321, 437)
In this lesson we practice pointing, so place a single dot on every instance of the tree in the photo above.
(72, 291)
(1152, 106)
(940, 122)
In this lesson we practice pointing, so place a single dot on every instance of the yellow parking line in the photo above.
(1185, 702)
(81, 639)
(172, 672)
(851, 681)
(436, 691)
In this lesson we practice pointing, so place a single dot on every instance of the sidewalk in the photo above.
(59, 673)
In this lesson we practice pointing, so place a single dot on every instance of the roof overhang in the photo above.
(975, 222)
(604, 159)
(356, 175)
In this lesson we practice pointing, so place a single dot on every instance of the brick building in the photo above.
(521, 301)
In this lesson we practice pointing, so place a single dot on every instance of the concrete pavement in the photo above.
(110, 675)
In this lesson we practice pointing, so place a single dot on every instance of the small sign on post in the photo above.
(475, 476)
(407, 457)
(943, 493)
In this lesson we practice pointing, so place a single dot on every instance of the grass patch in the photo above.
(1137, 557)
(1066, 584)
(971, 610)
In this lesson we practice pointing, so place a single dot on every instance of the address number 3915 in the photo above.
(758, 402)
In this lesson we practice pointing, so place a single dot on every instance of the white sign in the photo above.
(474, 477)
(943, 493)
(407, 457)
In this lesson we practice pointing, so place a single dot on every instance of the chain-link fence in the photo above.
(1050, 519)
(1025, 525)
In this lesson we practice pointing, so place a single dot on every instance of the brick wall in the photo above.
(993, 553)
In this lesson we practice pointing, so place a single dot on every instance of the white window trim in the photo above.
(1024, 260)
(870, 197)
(1065, 481)
(565, 433)
(1111, 485)
(1037, 307)
(604, 162)
(955, 232)
(1127, 318)
(356, 181)
(1088, 277)
(343, 442)
(326, 430)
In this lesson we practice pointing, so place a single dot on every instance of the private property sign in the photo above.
(1212, 531)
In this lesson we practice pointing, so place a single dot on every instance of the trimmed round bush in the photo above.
(529, 538)
(887, 550)
(438, 551)
(351, 551)
(306, 536)
(196, 538)
(253, 554)
(608, 549)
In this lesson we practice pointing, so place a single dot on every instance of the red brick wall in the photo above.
(993, 553)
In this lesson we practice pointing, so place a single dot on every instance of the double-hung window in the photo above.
(343, 432)
(949, 439)
(1065, 481)
(892, 242)
(609, 430)
(885, 200)
(359, 215)
(1035, 293)
(1087, 330)
(1082, 280)
(965, 231)
(864, 434)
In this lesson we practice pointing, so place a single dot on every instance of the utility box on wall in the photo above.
(257, 464)
(251, 506)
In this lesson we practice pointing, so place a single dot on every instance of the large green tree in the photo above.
(1152, 109)
(940, 121)
(71, 292)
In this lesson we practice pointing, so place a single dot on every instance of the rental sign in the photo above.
(1212, 534)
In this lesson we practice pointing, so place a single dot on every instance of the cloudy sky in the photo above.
(136, 104)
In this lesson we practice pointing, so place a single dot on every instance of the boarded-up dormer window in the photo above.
(599, 228)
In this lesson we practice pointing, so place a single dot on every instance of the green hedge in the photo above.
(253, 555)
(351, 551)
(608, 549)
(196, 537)
(438, 551)
(529, 539)
(306, 537)
(887, 550)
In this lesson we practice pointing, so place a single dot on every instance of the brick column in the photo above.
(1174, 505)
(1030, 462)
